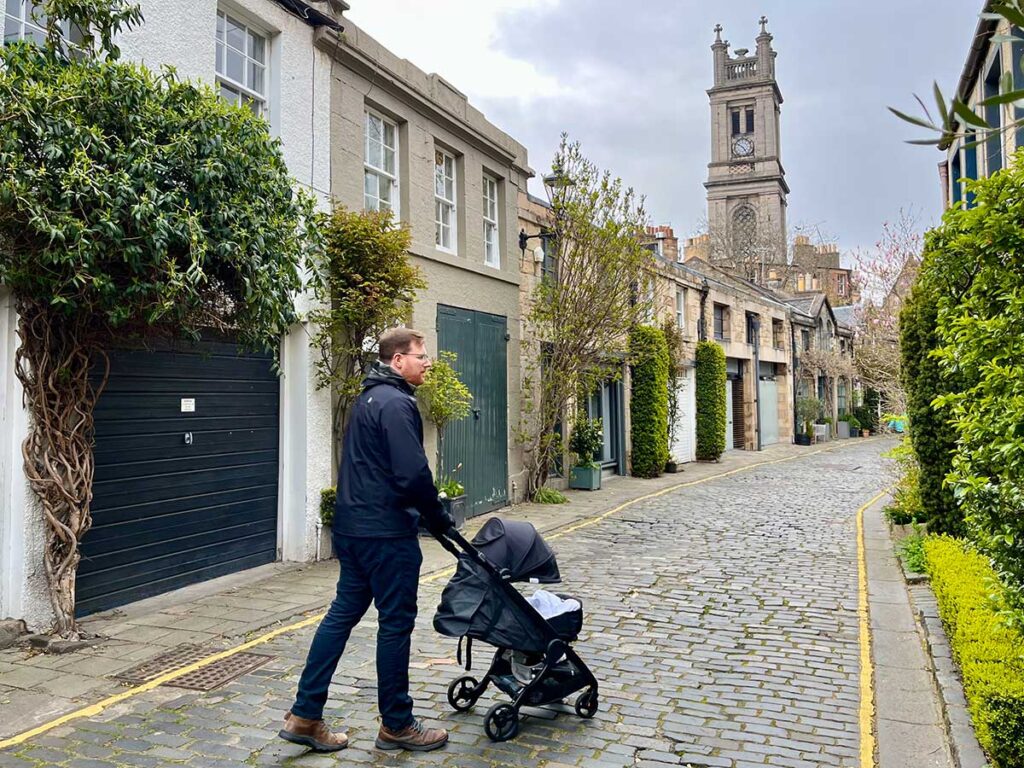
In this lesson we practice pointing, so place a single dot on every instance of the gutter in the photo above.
(975, 58)
(308, 14)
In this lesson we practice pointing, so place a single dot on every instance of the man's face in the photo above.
(412, 365)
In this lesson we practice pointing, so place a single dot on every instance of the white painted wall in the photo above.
(23, 590)
(181, 34)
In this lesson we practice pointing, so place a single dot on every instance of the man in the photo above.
(384, 488)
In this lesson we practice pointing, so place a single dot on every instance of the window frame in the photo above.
(681, 308)
(778, 333)
(226, 81)
(26, 19)
(382, 172)
(441, 202)
(720, 321)
(491, 224)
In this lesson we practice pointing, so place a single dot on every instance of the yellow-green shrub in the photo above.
(990, 653)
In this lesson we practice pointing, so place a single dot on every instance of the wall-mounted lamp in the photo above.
(538, 252)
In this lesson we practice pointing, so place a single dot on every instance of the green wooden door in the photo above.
(480, 441)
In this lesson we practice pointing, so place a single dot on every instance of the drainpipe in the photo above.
(757, 377)
(794, 373)
(702, 331)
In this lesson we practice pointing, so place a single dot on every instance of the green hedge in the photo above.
(711, 416)
(649, 400)
(989, 652)
(931, 434)
(328, 497)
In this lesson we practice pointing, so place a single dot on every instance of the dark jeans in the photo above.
(385, 572)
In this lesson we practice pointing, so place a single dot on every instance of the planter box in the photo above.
(802, 440)
(456, 507)
(585, 478)
(844, 430)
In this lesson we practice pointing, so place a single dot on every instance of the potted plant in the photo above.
(843, 427)
(585, 443)
(443, 399)
(806, 411)
(452, 494)
(854, 423)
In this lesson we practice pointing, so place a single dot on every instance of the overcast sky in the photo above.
(629, 79)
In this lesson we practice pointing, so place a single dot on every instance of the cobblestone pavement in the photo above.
(720, 620)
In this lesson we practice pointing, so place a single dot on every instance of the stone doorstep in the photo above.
(967, 752)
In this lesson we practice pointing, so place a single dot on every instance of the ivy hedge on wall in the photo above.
(711, 416)
(931, 434)
(649, 400)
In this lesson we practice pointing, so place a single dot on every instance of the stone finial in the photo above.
(718, 33)
(763, 21)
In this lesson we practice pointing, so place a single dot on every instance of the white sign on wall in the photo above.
(188, 405)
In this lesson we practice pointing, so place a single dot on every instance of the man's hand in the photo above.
(440, 524)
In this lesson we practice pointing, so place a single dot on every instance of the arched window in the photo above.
(744, 232)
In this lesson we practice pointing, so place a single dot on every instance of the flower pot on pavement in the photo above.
(802, 440)
(456, 507)
(843, 428)
(585, 478)
(865, 433)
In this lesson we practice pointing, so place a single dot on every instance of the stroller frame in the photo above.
(561, 672)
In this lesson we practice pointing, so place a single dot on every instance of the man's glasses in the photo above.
(422, 357)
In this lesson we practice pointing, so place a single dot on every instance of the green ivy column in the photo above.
(649, 401)
(711, 416)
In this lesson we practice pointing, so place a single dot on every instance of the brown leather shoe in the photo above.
(311, 733)
(415, 738)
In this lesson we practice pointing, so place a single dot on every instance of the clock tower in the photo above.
(746, 182)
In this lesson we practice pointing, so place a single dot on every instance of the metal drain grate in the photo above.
(220, 672)
(180, 657)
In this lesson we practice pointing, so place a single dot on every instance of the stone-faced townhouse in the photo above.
(823, 356)
(750, 324)
(207, 462)
(410, 141)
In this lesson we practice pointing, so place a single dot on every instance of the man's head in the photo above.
(404, 351)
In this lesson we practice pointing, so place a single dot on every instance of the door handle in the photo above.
(188, 438)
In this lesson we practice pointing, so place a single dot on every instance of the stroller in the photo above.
(534, 664)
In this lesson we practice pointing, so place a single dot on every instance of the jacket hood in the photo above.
(382, 373)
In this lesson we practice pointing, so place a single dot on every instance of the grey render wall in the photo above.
(431, 114)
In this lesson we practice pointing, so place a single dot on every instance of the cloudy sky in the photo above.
(629, 79)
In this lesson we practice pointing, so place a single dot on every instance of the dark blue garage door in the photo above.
(186, 473)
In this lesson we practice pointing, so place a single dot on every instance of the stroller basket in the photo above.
(534, 663)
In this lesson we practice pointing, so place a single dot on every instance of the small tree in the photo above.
(886, 275)
(131, 204)
(580, 317)
(444, 399)
(648, 405)
(711, 402)
(363, 285)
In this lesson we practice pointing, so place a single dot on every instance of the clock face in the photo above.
(742, 147)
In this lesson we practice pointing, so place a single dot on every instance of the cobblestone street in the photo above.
(720, 619)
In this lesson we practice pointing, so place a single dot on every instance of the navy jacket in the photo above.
(384, 482)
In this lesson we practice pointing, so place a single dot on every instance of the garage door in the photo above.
(684, 436)
(728, 415)
(186, 473)
(480, 441)
(769, 405)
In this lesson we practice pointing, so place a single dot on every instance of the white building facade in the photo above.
(259, 53)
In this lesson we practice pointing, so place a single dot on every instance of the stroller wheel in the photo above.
(586, 704)
(501, 722)
(461, 693)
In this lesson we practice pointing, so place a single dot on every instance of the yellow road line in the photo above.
(867, 671)
(94, 709)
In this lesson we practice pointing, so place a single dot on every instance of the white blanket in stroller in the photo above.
(550, 605)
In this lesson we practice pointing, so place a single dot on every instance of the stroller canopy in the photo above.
(516, 546)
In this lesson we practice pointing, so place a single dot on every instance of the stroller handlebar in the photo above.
(457, 544)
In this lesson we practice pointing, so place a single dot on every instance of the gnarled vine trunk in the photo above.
(53, 363)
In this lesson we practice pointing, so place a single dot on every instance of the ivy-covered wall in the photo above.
(649, 401)
(711, 415)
